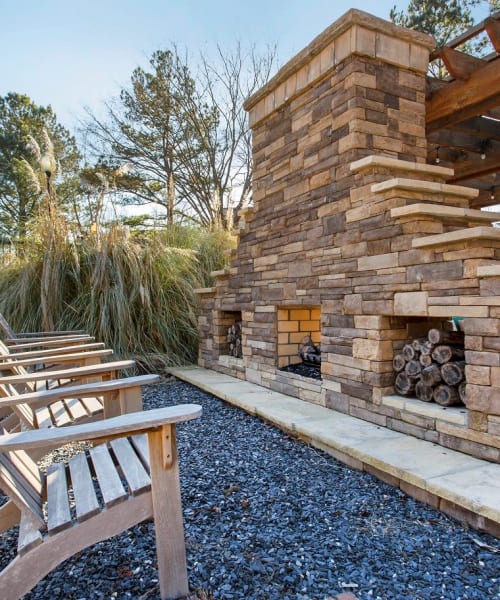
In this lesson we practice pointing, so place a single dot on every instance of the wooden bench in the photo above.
(115, 485)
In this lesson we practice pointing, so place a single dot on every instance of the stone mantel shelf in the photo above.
(376, 162)
(445, 212)
(416, 185)
(461, 235)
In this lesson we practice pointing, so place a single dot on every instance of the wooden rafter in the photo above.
(459, 64)
(492, 28)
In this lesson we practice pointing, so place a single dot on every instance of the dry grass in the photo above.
(135, 295)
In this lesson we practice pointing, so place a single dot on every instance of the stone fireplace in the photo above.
(355, 241)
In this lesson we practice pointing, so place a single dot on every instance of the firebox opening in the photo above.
(299, 340)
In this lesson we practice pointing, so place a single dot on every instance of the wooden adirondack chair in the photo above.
(137, 477)
(23, 406)
(14, 337)
(52, 358)
(65, 406)
(17, 352)
(23, 381)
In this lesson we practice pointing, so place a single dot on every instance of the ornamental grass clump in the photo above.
(134, 294)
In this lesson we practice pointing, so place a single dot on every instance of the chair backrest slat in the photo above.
(17, 480)
(4, 324)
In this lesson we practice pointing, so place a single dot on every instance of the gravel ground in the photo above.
(268, 517)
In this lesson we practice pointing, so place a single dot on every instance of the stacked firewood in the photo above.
(234, 340)
(432, 368)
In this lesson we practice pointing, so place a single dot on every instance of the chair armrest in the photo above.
(131, 423)
(84, 390)
(77, 372)
(41, 354)
(56, 358)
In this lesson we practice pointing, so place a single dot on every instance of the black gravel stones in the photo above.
(269, 518)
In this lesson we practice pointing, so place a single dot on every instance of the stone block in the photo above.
(372, 349)
(494, 426)
(372, 322)
(353, 304)
(411, 303)
(432, 272)
(495, 376)
(478, 375)
(463, 515)
(478, 421)
(337, 401)
(488, 359)
(462, 311)
(481, 326)
(483, 399)
(381, 261)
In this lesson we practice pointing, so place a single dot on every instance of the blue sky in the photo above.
(76, 53)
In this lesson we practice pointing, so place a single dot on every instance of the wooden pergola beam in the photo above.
(476, 167)
(461, 100)
(479, 127)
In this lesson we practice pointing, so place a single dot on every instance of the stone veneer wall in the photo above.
(349, 218)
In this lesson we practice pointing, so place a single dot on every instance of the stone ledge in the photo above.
(417, 185)
(457, 416)
(461, 235)
(221, 273)
(395, 164)
(201, 291)
(441, 211)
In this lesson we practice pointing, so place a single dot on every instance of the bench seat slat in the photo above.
(141, 446)
(132, 468)
(93, 405)
(107, 476)
(58, 507)
(86, 503)
(60, 415)
(76, 409)
(43, 417)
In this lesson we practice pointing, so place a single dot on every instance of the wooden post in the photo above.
(130, 400)
(167, 510)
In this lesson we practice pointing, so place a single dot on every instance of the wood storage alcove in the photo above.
(430, 365)
(230, 334)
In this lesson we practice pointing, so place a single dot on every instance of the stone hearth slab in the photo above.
(461, 480)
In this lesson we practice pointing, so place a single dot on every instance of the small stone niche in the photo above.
(295, 324)
(229, 334)
(430, 365)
